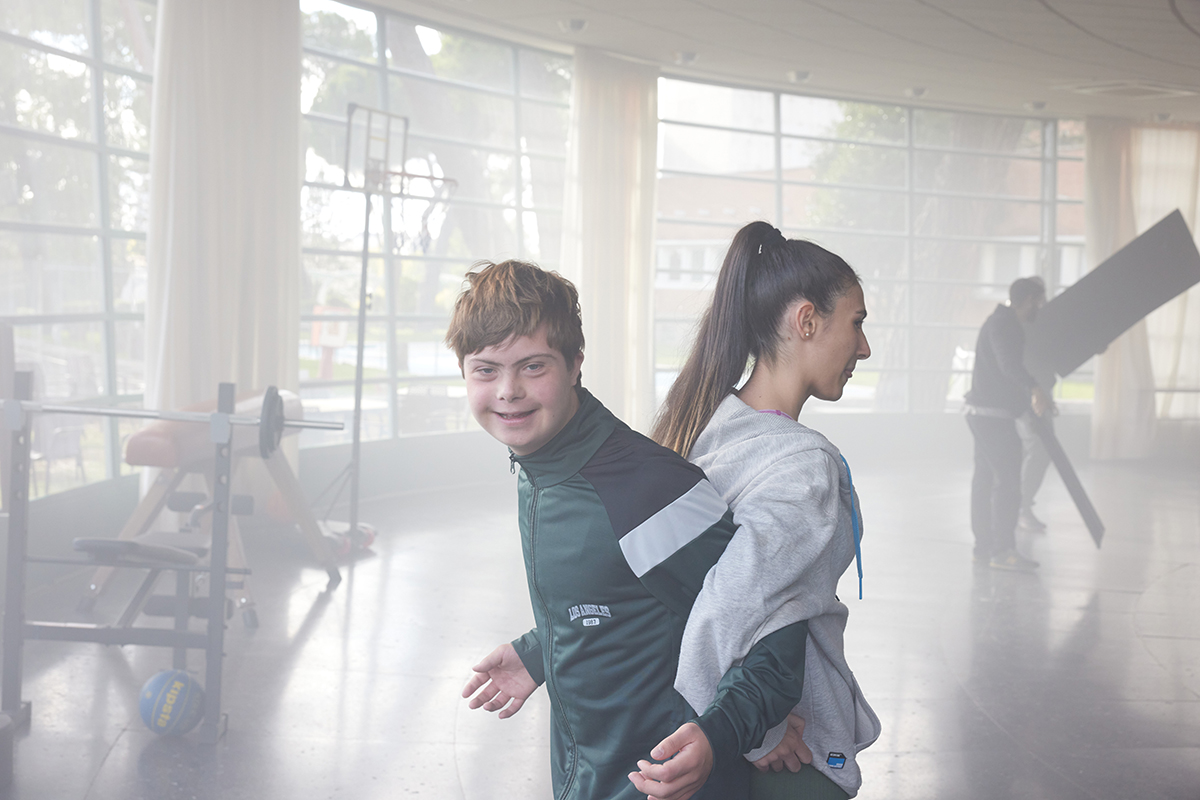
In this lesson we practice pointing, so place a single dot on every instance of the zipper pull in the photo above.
(512, 463)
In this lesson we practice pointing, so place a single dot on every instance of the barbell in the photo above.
(271, 421)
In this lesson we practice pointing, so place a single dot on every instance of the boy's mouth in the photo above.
(513, 417)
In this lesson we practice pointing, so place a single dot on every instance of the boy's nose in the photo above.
(509, 388)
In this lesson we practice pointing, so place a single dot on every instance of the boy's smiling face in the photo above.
(522, 391)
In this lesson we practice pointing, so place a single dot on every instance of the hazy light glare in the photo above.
(431, 40)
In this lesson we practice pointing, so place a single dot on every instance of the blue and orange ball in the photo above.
(172, 702)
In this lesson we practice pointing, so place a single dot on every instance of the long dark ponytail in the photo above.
(762, 275)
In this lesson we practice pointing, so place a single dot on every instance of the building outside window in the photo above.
(938, 211)
(75, 83)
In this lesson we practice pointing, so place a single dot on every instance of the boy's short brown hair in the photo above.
(515, 298)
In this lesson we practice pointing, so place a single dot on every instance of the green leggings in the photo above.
(807, 784)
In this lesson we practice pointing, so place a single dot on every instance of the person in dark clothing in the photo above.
(1001, 391)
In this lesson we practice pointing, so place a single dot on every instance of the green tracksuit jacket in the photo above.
(618, 534)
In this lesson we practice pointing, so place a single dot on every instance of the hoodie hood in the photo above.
(738, 441)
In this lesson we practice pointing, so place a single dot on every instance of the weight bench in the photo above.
(222, 435)
(183, 554)
(179, 449)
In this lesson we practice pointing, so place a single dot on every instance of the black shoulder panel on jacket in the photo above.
(636, 478)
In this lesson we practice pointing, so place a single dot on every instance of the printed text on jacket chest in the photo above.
(590, 613)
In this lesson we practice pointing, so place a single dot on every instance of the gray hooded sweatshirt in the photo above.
(791, 496)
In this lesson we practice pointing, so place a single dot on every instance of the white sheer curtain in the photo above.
(1123, 416)
(224, 235)
(1167, 177)
(608, 232)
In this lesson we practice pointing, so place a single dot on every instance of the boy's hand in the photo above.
(792, 752)
(691, 760)
(508, 682)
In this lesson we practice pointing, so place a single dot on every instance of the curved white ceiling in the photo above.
(1132, 58)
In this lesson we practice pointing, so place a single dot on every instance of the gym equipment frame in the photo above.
(17, 418)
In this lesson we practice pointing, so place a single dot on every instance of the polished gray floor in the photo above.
(1080, 681)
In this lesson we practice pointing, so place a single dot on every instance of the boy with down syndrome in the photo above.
(618, 534)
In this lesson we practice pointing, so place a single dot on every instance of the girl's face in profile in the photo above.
(838, 344)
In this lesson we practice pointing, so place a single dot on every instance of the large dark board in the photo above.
(1155, 267)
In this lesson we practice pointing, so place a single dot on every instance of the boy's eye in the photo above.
(533, 367)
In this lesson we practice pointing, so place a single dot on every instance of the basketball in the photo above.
(172, 702)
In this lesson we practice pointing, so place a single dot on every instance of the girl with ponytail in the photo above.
(793, 313)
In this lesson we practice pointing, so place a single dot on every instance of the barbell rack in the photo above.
(17, 418)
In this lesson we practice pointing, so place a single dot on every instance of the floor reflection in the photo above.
(1080, 681)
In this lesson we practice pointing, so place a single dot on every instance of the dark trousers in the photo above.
(807, 784)
(996, 487)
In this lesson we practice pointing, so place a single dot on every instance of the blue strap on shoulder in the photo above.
(854, 525)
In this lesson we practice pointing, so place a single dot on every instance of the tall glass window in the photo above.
(488, 114)
(938, 211)
(74, 142)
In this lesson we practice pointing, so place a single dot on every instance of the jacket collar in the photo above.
(573, 446)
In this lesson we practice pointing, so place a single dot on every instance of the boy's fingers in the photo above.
(513, 708)
(484, 695)
(497, 702)
(477, 680)
(489, 663)
(640, 783)
(668, 747)
(646, 786)
(661, 773)
(493, 659)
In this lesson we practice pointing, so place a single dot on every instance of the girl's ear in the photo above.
(803, 319)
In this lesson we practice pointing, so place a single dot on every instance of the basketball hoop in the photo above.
(377, 165)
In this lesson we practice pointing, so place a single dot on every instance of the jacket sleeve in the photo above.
(676, 548)
(671, 552)
(529, 648)
(781, 568)
(757, 694)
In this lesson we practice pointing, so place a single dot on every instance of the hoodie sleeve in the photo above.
(780, 568)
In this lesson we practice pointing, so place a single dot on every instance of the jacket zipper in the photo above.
(552, 685)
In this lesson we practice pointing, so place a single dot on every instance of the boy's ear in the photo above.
(578, 364)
